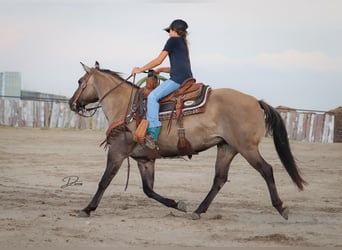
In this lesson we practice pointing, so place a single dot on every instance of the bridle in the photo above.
(84, 111)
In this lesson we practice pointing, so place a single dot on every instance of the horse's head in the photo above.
(86, 91)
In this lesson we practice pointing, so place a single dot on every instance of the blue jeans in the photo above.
(161, 91)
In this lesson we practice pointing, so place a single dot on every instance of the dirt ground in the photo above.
(38, 208)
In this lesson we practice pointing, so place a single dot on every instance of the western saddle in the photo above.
(189, 99)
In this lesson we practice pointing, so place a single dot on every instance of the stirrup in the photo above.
(150, 142)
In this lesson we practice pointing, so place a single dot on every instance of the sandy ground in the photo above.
(37, 210)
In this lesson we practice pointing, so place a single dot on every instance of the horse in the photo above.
(234, 122)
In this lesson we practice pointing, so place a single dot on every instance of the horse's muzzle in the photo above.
(73, 105)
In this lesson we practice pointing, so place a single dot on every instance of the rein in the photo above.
(112, 89)
(84, 85)
(115, 125)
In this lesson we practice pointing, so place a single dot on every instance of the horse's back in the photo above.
(235, 101)
(234, 95)
(237, 114)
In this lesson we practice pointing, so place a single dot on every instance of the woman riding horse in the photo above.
(177, 49)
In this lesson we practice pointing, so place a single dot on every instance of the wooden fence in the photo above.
(338, 124)
(302, 126)
(309, 126)
(43, 114)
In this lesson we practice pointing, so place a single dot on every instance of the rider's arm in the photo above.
(155, 62)
(162, 69)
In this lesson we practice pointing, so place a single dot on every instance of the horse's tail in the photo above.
(275, 125)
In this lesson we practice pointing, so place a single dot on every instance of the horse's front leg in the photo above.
(146, 168)
(115, 157)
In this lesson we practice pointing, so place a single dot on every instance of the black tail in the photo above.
(275, 125)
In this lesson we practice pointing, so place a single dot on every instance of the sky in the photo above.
(287, 53)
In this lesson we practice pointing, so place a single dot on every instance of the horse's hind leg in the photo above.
(114, 161)
(146, 168)
(256, 160)
(225, 155)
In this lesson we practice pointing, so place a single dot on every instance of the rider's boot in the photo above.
(152, 137)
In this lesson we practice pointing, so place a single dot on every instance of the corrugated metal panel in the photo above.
(18, 113)
(328, 129)
(338, 127)
(309, 126)
(302, 126)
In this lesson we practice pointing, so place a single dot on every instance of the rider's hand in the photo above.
(136, 70)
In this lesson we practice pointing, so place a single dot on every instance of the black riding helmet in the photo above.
(177, 24)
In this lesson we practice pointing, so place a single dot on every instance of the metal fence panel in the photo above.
(302, 126)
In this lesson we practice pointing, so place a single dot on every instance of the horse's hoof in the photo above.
(195, 216)
(181, 206)
(285, 213)
(83, 214)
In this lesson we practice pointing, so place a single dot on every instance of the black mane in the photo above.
(117, 75)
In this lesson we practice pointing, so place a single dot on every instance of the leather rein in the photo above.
(84, 85)
(113, 126)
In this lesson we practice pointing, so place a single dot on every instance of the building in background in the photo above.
(10, 87)
(10, 84)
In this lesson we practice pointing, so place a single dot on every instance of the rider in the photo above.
(177, 49)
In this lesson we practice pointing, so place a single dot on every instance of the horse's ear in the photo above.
(85, 67)
(97, 65)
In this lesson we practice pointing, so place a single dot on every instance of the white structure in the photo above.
(10, 84)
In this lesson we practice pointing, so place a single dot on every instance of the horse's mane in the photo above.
(117, 75)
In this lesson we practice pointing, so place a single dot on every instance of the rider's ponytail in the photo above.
(183, 34)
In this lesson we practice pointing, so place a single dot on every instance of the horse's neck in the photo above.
(117, 104)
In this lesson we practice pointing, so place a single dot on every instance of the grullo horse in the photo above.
(233, 122)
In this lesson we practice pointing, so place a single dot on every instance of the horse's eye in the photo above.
(79, 82)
